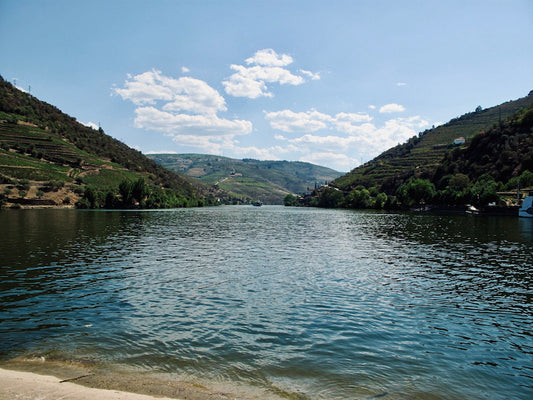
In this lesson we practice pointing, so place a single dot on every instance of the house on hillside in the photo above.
(459, 141)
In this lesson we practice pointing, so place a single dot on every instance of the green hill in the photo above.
(48, 158)
(504, 152)
(485, 171)
(249, 179)
(422, 154)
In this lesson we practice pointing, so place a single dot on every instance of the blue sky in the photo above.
(330, 82)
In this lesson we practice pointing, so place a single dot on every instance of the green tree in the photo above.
(380, 200)
(139, 190)
(484, 190)
(91, 196)
(358, 198)
(416, 191)
(331, 198)
(125, 190)
(290, 200)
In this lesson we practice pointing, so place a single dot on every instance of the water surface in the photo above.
(309, 303)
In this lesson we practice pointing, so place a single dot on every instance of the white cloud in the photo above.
(342, 149)
(269, 58)
(372, 107)
(313, 75)
(182, 94)
(401, 84)
(290, 121)
(312, 121)
(267, 67)
(341, 162)
(391, 108)
(185, 109)
(162, 152)
(201, 124)
(91, 125)
(185, 70)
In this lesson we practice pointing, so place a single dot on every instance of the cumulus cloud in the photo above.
(312, 121)
(182, 94)
(341, 162)
(264, 68)
(184, 108)
(391, 108)
(185, 70)
(401, 84)
(343, 144)
(200, 124)
(91, 125)
(269, 58)
(312, 75)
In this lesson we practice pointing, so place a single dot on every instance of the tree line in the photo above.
(458, 191)
(138, 194)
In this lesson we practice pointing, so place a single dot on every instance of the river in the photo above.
(289, 302)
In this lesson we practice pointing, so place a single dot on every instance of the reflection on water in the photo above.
(328, 304)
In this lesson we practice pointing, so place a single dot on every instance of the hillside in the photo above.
(48, 158)
(485, 172)
(422, 154)
(504, 152)
(248, 179)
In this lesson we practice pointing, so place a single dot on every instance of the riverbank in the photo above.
(37, 378)
(29, 385)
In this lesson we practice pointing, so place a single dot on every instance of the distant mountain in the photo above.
(421, 155)
(249, 179)
(48, 158)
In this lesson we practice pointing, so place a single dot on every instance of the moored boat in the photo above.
(526, 209)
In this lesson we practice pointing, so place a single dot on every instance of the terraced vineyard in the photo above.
(48, 158)
(421, 155)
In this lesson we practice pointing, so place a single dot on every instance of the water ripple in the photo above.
(321, 304)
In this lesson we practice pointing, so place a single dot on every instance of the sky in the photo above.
(332, 82)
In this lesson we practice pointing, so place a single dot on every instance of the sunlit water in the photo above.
(325, 304)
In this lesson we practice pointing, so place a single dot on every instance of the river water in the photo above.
(297, 303)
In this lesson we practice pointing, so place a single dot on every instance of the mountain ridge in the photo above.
(421, 154)
(44, 151)
(249, 179)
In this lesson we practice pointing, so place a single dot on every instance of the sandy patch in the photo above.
(27, 385)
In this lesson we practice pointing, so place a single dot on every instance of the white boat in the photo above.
(526, 209)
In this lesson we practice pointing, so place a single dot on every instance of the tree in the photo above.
(380, 200)
(358, 198)
(416, 191)
(459, 183)
(125, 190)
(331, 198)
(139, 190)
(290, 200)
(484, 190)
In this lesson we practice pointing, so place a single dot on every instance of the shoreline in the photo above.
(49, 380)
(30, 385)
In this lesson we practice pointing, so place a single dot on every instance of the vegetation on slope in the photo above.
(422, 154)
(494, 161)
(249, 179)
(48, 158)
